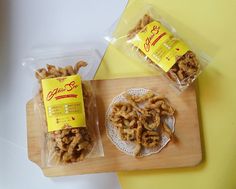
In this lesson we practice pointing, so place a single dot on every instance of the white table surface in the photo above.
(38, 23)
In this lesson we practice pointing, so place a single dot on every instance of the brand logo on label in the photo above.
(154, 33)
(67, 87)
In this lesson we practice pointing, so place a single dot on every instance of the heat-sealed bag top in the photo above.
(66, 105)
(148, 37)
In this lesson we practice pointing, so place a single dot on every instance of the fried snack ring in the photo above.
(166, 109)
(151, 120)
(160, 105)
(141, 119)
(184, 71)
(131, 99)
(127, 134)
(70, 144)
(150, 139)
(123, 115)
(140, 99)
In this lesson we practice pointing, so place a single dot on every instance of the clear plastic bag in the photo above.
(68, 144)
(146, 36)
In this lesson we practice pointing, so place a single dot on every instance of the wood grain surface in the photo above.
(185, 151)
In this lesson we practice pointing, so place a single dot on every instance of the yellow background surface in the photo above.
(211, 25)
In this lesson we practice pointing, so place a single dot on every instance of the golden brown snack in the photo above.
(70, 144)
(141, 119)
(79, 65)
(186, 68)
(150, 138)
(127, 134)
(124, 116)
(140, 25)
(150, 120)
(137, 149)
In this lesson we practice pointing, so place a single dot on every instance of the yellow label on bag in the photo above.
(63, 101)
(159, 45)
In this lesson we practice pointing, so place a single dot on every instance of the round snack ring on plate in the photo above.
(123, 133)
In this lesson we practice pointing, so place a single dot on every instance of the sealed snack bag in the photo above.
(147, 37)
(66, 105)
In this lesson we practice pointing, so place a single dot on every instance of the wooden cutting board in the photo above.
(184, 152)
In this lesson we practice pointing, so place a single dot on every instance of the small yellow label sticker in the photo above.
(63, 101)
(159, 45)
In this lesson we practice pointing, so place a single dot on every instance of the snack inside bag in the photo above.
(66, 105)
(151, 40)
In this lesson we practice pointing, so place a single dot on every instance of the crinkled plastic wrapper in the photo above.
(70, 144)
(158, 46)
